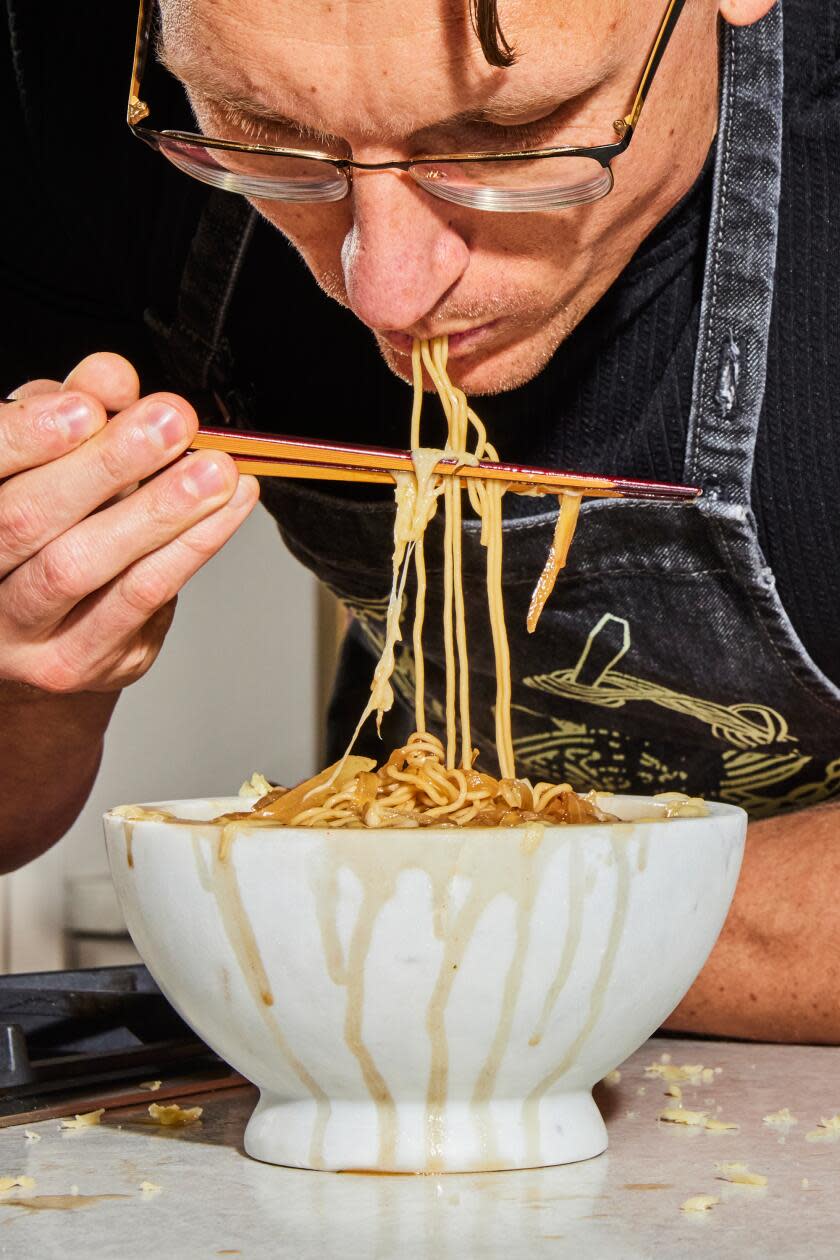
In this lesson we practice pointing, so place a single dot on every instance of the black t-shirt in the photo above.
(96, 229)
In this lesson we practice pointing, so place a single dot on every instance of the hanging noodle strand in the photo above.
(428, 782)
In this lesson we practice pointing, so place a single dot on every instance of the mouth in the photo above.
(460, 343)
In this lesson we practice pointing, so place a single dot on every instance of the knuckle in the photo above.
(202, 542)
(54, 674)
(163, 504)
(21, 525)
(58, 573)
(145, 588)
(114, 464)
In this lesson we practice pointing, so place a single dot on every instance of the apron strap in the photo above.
(193, 347)
(731, 366)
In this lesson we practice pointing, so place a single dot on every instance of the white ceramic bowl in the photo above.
(425, 1000)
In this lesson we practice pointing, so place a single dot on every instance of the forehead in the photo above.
(374, 65)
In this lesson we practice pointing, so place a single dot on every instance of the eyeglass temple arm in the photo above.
(137, 108)
(628, 123)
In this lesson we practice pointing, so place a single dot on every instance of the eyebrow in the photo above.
(196, 77)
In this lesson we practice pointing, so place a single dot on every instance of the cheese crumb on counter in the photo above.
(174, 1114)
(699, 1203)
(153, 1086)
(740, 1175)
(148, 1188)
(720, 1126)
(699, 1119)
(16, 1183)
(674, 1091)
(85, 1121)
(691, 1073)
(827, 1130)
(612, 1078)
(781, 1119)
(682, 1115)
(31, 1136)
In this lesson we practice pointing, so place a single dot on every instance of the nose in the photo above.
(401, 255)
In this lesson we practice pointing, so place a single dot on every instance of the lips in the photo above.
(460, 343)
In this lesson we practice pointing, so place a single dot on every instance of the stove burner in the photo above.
(70, 1031)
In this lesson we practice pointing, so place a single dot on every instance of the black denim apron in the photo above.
(664, 659)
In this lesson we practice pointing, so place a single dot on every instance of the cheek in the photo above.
(317, 233)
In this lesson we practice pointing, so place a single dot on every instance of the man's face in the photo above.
(375, 80)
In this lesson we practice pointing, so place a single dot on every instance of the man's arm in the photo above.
(774, 974)
(50, 749)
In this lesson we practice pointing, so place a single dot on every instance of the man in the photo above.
(677, 328)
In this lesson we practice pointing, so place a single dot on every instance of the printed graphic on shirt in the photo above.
(594, 679)
(742, 753)
(760, 782)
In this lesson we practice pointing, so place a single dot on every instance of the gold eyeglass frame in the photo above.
(604, 154)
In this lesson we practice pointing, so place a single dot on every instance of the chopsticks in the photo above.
(275, 455)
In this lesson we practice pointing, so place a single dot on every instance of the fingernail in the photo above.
(74, 418)
(204, 478)
(164, 425)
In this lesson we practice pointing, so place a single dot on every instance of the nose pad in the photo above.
(402, 254)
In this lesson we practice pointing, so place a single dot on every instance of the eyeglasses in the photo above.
(527, 180)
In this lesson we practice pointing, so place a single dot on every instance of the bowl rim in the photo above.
(718, 810)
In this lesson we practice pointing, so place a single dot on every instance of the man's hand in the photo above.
(774, 974)
(99, 530)
(90, 560)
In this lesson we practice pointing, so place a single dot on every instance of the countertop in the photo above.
(215, 1201)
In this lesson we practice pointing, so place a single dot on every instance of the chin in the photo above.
(496, 370)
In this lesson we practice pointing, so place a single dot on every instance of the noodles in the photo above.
(416, 504)
(415, 789)
(429, 782)
(567, 516)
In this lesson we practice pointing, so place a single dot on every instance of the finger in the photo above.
(39, 594)
(91, 649)
(41, 427)
(38, 506)
(31, 388)
(108, 377)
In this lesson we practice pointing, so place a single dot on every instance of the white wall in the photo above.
(234, 690)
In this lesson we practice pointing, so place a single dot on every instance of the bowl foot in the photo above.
(347, 1136)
